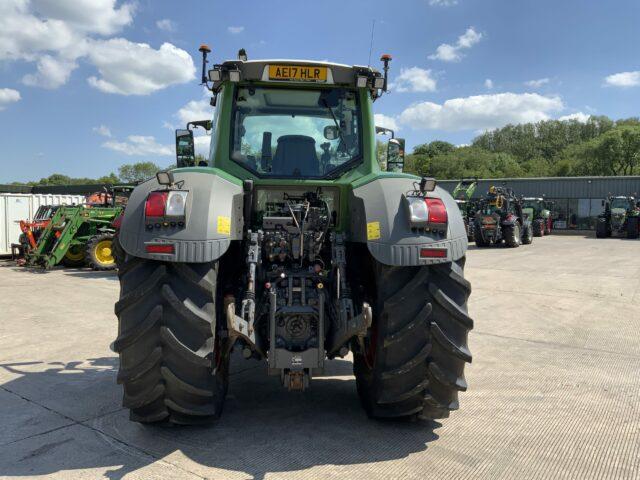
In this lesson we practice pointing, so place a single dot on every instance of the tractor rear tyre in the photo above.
(171, 365)
(117, 251)
(511, 234)
(527, 234)
(632, 227)
(601, 229)
(480, 241)
(99, 252)
(538, 228)
(75, 257)
(413, 362)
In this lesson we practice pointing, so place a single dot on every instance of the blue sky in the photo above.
(88, 85)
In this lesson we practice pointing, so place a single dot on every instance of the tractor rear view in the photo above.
(538, 212)
(621, 217)
(291, 246)
(500, 219)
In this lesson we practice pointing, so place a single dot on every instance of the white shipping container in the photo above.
(21, 206)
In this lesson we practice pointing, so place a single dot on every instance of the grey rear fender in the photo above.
(379, 218)
(213, 219)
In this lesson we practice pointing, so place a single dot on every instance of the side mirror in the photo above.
(395, 155)
(185, 149)
(331, 132)
(602, 203)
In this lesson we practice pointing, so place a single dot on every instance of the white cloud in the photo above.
(201, 144)
(235, 30)
(52, 72)
(480, 112)
(384, 121)
(8, 96)
(55, 34)
(140, 145)
(131, 68)
(579, 116)
(443, 3)
(91, 16)
(194, 110)
(102, 130)
(23, 35)
(453, 53)
(537, 83)
(166, 25)
(488, 84)
(414, 79)
(624, 79)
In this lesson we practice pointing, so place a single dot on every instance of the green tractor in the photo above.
(80, 235)
(500, 220)
(462, 195)
(621, 217)
(293, 247)
(538, 210)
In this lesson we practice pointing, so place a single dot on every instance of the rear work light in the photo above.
(159, 248)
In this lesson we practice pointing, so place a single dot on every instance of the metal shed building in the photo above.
(577, 201)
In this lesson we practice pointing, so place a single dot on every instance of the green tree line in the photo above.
(127, 173)
(599, 146)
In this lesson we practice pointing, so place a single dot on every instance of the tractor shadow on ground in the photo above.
(264, 428)
(85, 273)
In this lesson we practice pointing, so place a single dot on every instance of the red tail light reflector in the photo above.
(159, 248)
(156, 204)
(437, 210)
(433, 253)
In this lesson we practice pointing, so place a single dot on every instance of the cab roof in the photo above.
(337, 73)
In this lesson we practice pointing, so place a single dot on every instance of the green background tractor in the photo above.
(293, 247)
(539, 212)
(462, 195)
(620, 217)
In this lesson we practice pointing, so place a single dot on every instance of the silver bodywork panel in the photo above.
(379, 218)
(214, 218)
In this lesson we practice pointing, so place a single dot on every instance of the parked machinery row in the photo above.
(500, 217)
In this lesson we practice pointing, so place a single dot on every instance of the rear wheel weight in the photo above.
(421, 325)
(166, 320)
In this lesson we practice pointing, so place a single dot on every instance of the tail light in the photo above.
(156, 204)
(437, 211)
(159, 248)
(426, 212)
(433, 253)
(168, 203)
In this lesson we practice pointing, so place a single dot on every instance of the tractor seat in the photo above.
(296, 156)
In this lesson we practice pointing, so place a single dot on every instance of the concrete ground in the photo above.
(553, 389)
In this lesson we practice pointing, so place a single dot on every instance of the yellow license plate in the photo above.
(297, 73)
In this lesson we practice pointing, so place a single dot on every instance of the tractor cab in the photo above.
(294, 120)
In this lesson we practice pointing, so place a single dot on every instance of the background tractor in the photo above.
(293, 247)
(462, 195)
(500, 219)
(80, 235)
(620, 217)
(538, 211)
